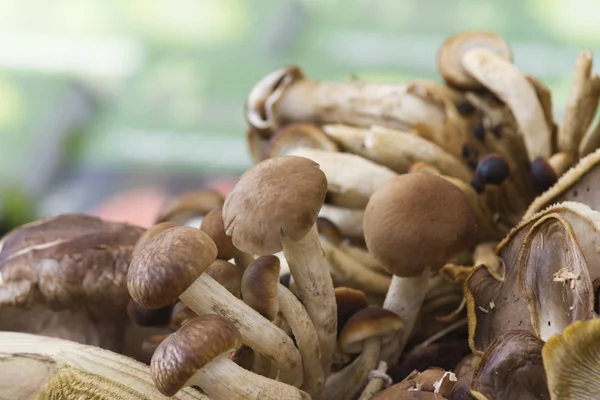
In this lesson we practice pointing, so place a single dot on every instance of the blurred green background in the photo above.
(101, 95)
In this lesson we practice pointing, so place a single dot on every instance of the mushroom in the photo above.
(297, 135)
(171, 266)
(396, 149)
(188, 206)
(64, 276)
(150, 233)
(41, 367)
(227, 274)
(432, 380)
(274, 207)
(262, 290)
(349, 301)
(478, 59)
(363, 333)
(198, 355)
(492, 169)
(348, 220)
(410, 231)
(511, 368)
(378, 380)
(571, 362)
(256, 144)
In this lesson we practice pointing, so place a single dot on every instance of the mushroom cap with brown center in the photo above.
(168, 264)
(418, 221)
(454, 48)
(349, 301)
(190, 349)
(259, 286)
(371, 322)
(227, 274)
(281, 195)
(212, 225)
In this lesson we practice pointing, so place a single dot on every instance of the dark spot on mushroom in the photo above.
(480, 132)
(497, 131)
(470, 155)
(492, 169)
(549, 324)
(596, 287)
(465, 108)
(543, 174)
(575, 193)
(587, 189)
(520, 322)
(477, 184)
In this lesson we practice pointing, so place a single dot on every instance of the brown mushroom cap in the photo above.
(279, 195)
(259, 286)
(452, 51)
(369, 323)
(168, 265)
(329, 230)
(418, 221)
(212, 225)
(349, 301)
(150, 233)
(227, 274)
(189, 205)
(190, 349)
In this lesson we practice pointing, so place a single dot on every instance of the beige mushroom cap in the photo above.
(279, 195)
(349, 301)
(418, 221)
(150, 233)
(452, 51)
(212, 225)
(369, 323)
(259, 286)
(168, 264)
(190, 349)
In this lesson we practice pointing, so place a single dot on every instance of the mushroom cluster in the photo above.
(393, 241)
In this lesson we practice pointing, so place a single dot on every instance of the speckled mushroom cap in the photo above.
(370, 322)
(259, 286)
(279, 195)
(418, 221)
(190, 349)
(451, 53)
(168, 264)
(212, 225)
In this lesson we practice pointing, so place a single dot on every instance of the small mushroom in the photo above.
(363, 333)
(409, 230)
(188, 206)
(227, 274)
(571, 361)
(171, 266)
(198, 355)
(511, 368)
(274, 207)
(378, 380)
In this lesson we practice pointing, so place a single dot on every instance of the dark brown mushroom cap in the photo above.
(259, 286)
(543, 174)
(149, 317)
(454, 48)
(512, 368)
(168, 264)
(371, 322)
(67, 261)
(188, 205)
(212, 225)
(349, 301)
(227, 274)
(297, 135)
(191, 348)
(150, 233)
(572, 362)
(418, 221)
(279, 195)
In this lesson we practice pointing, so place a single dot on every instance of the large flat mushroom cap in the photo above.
(168, 264)
(452, 51)
(417, 221)
(190, 349)
(281, 195)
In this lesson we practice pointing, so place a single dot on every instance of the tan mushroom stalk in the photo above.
(348, 220)
(396, 149)
(362, 256)
(351, 180)
(262, 290)
(274, 206)
(410, 230)
(189, 206)
(286, 96)
(572, 362)
(297, 135)
(476, 59)
(41, 367)
(364, 333)
(378, 380)
(198, 355)
(171, 266)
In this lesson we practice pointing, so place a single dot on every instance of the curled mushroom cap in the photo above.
(287, 193)
(572, 362)
(450, 56)
(189, 205)
(168, 264)
(371, 322)
(418, 221)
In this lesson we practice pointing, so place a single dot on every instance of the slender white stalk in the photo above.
(376, 381)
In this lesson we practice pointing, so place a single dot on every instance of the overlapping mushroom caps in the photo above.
(65, 276)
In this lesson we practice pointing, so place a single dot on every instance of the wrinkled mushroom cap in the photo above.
(259, 286)
(418, 221)
(452, 51)
(572, 362)
(281, 195)
(212, 225)
(168, 264)
(371, 322)
(190, 349)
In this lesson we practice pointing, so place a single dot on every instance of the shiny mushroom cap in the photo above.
(190, 349)
(349, 301)
(259, 286)
(492, 169)
(212, 225)
(168, 264)
(371, 322)
(452, 51)
(418, 221)
(281, 195)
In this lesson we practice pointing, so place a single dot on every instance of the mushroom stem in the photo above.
(306, 337)
(378, 378)
(348, 220)
(405, 298)
(315, 288)
(206, 296)
(224, 379)
(348, 382)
